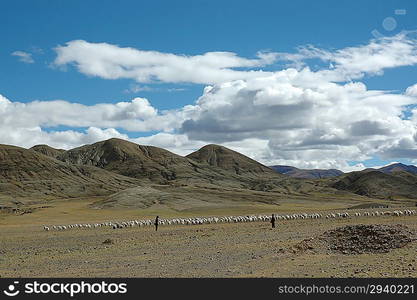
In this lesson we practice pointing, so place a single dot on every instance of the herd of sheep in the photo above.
(229, 219)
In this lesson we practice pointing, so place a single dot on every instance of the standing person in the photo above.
(273, 221)
(156, 223)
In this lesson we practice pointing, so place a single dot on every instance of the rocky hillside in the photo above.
(377, 184)
(227, 159)
(131, 160)
(28, 174)
(160, 166)
(47, 150)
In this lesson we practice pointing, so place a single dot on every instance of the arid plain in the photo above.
(212, 250)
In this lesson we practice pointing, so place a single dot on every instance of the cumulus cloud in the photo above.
(296, 116)
(26, 124)
(412, 91)
(24, 56)
(67, 139)
(324, 125)
(114, 62)
(177, 143)
(135, 115)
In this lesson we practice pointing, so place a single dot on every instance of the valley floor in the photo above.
(220, 250)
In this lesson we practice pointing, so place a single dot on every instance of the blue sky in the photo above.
(182, 27)
(188, 28)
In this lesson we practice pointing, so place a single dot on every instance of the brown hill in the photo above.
(377, 184)
(146, 162)
(213, 176)
(28, 174)
(210, 165)
(229, 160)
(47, 150)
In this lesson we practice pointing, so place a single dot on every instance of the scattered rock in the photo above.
(358, 239)
(108, 241)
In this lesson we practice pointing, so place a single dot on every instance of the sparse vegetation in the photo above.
(221, 250)
(118, 180)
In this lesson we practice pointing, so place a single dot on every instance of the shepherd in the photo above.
(156, 223)
(273, 221)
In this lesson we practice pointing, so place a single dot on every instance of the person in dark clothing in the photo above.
(273, 221)
(156, 223)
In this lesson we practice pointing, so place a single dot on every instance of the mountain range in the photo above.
(327, 173)
(126, 174)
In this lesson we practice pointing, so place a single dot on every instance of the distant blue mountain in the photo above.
(304, 173)
(398, 167)
(324, 173)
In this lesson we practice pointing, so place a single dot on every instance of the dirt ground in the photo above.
(220, 250)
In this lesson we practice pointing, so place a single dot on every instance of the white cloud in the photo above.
(177, 143)
(21, 123)
(27, 124)
(295, 116)
(355, 62)
(136, 88)
(24, 56)
(323, 126)
(114, 62)
(135, 115)
(320, 125)
(67, 139)
(412, 91)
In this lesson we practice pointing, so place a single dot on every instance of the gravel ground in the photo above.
(358, 239)
(221, 250)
